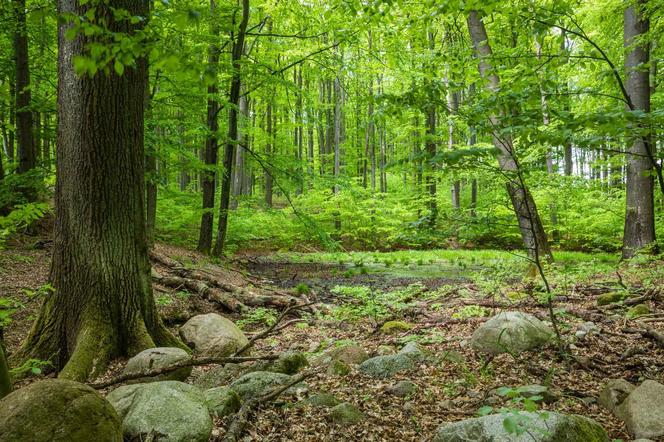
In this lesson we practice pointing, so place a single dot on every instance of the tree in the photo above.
(523, 204)
(231, 143)
(102, 306)
(209, 175)
(640, 209)
(24, 135)
(5, 380)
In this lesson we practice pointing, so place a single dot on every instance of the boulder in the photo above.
(387, 366)
(212, 335)
(156, 358)
(383, 350)
(392, 327)
(346, 414)
(414, 351)
(338, 368)
(288, 363)
(351, 354)
(403, 389)
(587, 329)
(614, 393)
(643, 410)
(531, 390)
(511, 332)
(220, 375)
(222, 401)
(542, 427)
(174, 411)
(56, 410)
(257, 383)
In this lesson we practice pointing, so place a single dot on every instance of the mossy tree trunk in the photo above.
(103, 305)
(5, 380)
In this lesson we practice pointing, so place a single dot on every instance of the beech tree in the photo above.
(103, 305)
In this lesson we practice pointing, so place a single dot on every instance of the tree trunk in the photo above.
(150, 169)
(103, 306)
(640, 211)
(232, 142)
(209, 174)
(268, 152)
(530, 225)
(5, 379)
(24, 134)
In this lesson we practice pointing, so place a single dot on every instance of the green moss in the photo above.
(338, 368)
(610, 298)
(395, 327)
(637, 310)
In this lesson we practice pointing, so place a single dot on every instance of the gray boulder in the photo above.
(414, 351)
(549, 427)
(351, 354)
(643, 410)
(403, 389)
(387, 366)
(156, 358)
(322, 400)
(257, 383)
(173, 411)
(222, 401)
(220, 375)
(511, 332)
(212, 335)
(614, 393)
(56, 410)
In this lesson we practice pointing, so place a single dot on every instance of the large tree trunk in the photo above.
(209, 174)
(231, 144)
(5, 380)
(530, 225)
(640, 211)
(24, 134)
(102, 306)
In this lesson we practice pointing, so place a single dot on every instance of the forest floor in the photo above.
(443, 296)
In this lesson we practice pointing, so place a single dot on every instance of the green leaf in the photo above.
(119, 67)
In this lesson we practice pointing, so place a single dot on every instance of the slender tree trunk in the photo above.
(640, 211)
(453, 105)
(24, 135)
(103, 306)
(5, 379)
(46, 147)
(239, 169)
(530, 225)
(210, 156)
(268, 153)
(431, 146)
(337, 142)
(150, 169)
(232, 143)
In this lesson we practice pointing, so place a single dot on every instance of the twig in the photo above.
(182, 364)
(241, 418)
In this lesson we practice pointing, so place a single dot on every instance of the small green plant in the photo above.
(420, 262)
(259, 315)
(7, 308)
(470, 311)
(348, 273)
(40, 291)
(515, 421)
(33, 366)
(302, 289)
(163, 300)
(363, 271)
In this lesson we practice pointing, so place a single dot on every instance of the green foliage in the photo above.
(259, 315)
(20, 218)
(470, 311)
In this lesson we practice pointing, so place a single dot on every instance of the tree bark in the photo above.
(530, 224)
(24, 135)
(5, 379)
(102, 307)
(640, 211)
(232, 143)
(209, 174)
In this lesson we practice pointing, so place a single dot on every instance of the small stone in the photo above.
(528, 391)
(614, 392)
(392, 327)
(408, 407)
(351, 354)
(259, 382)
(415, 351)
(222, 401)
(346, 414)
(610, 298)
(589, 400)
(322, 400)
(403, 389)
(447, 404)
(453, 357)
(386, 366)
(288, 363)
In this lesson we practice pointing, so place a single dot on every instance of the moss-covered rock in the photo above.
(610, 298)
(57, 410)
(637, 310)
(288, 363)
(549, 427)
(322, 400)
(338, 368)
(346, 414)
(259, 382)
(403, 389)
(387, 366)
(511, 332)
(350, 353)
(392, 327)
(158, 358)
(175, 410)
(222, 401)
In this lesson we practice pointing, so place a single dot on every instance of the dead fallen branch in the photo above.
(227, 301)
(241, 418)
(182, 364)
(649, 333)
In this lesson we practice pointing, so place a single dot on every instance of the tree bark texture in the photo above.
(24, 134)
(102, 306)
